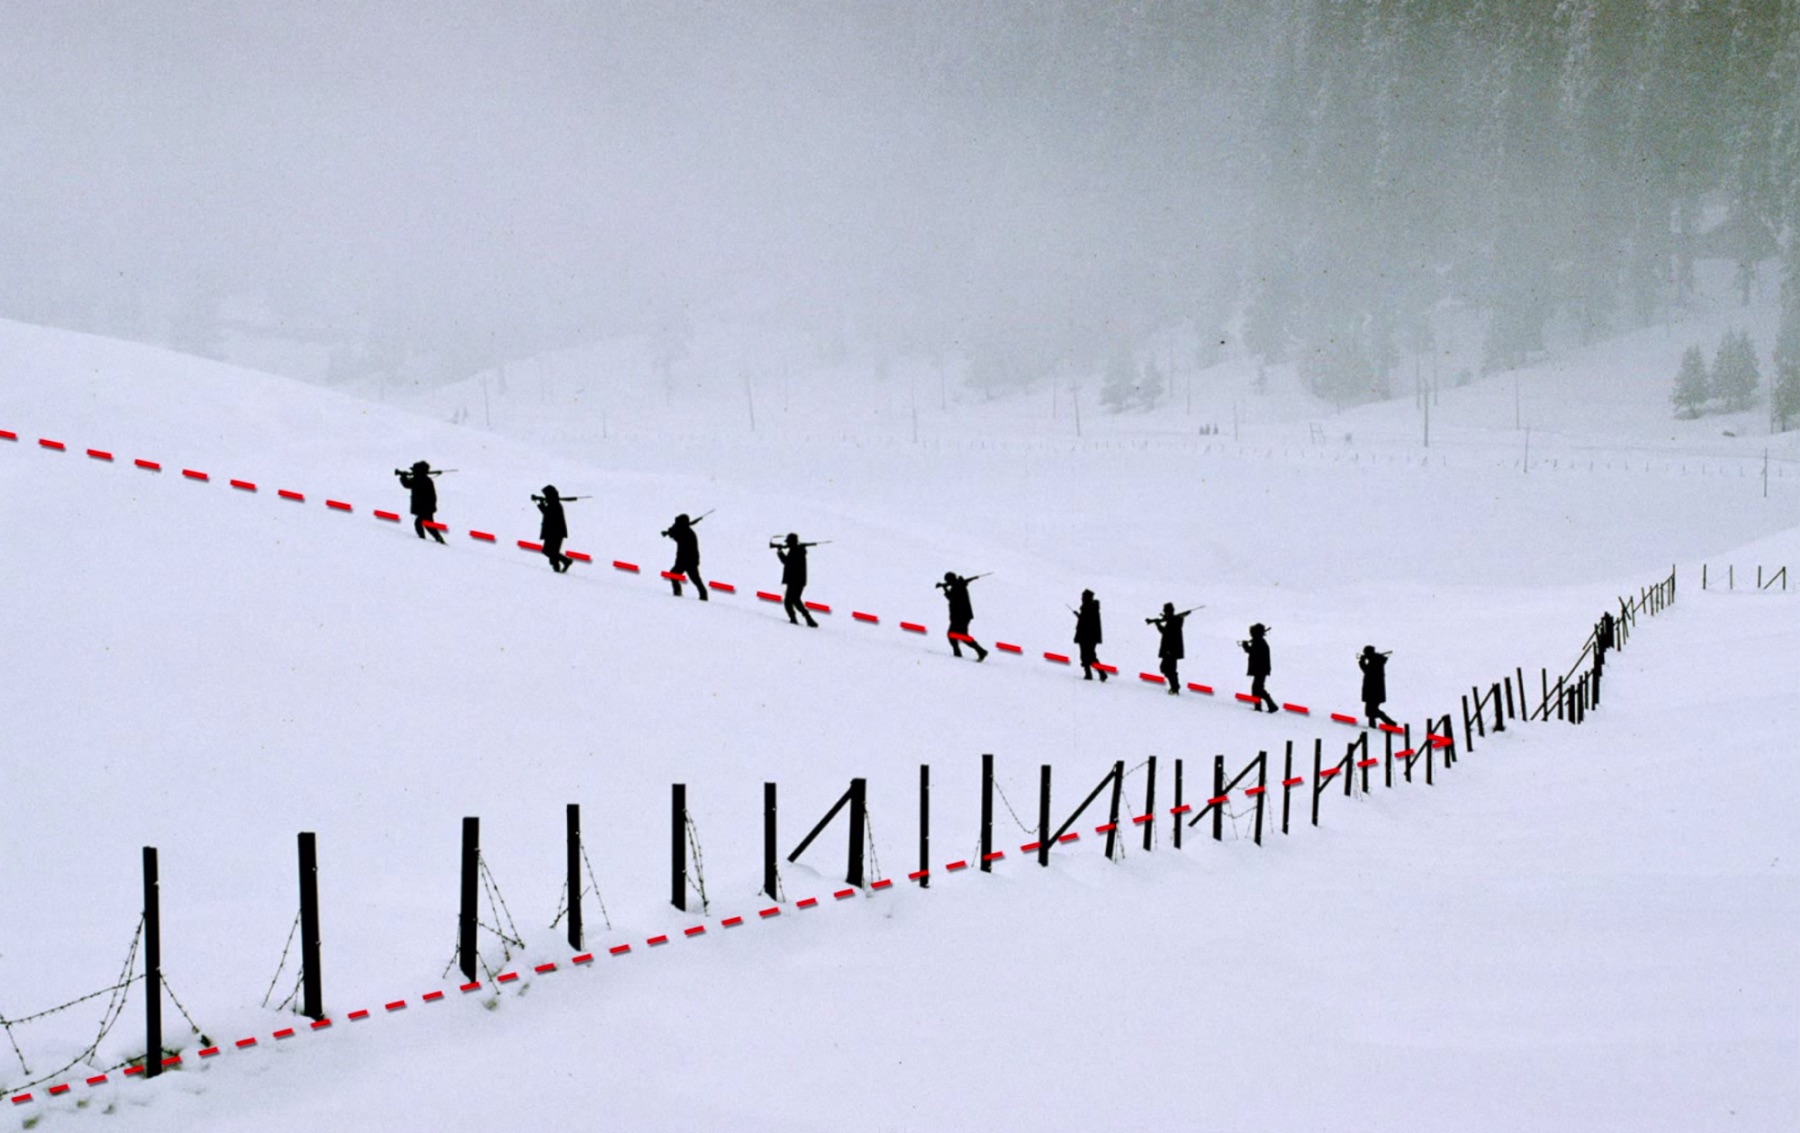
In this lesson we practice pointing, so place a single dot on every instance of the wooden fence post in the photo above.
(858, 825)
(471, 873)
(1150, 804)
(1178, 818)
(771, 880)
(311, 981)
(678, 845)
(152, 966)
(987, 813)
(1044, 815)
(925, 824)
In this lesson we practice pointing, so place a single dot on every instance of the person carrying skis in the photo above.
(1087, 635)
(554, 528)
(956, 592)
(1374, 684)
(792, 554)
(1171, 650)
(687, 553)
(1258, 649)
(424, 497)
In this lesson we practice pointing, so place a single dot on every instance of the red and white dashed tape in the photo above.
(622, 566)
(584, 959)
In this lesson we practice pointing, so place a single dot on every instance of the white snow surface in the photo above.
(1574, 928)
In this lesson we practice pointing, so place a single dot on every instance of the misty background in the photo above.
(409, 195)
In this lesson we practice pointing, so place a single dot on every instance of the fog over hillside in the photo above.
(1035, 189)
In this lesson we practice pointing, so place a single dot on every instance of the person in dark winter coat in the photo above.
(792, 554)
(553, 529)
(1172, 648)
(687, 554)
(962, 612)
(1605, 635)
(1087, 635)
(1374, 685)
(424, 497)
(1258, 649)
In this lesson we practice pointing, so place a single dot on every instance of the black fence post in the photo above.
(1318, 766)
(1150, 805)
(770, 883)
(1428, 752)
(859, 802)
(987, 813)
(678, 845)
(1044, 815)
(465, 921)
(1499, 711)
(1544, 694)
(925, 825)
(1112, 816)
(1262, 790)
(312, 984)
(1468, 730)
(1178, 820)
(572, 852)
(1511, 713)
(152, 966)
(1406, 739)
(1388, 763)
(1218, 809)
(1287, 789)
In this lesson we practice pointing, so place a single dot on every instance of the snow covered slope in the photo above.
(209, 670)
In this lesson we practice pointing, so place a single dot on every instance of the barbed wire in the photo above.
(292, 932)
(697, 879)
(115, 1008)
(1009, 807)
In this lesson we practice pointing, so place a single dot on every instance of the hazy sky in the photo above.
(525, 164)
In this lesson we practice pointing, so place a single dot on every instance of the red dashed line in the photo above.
(954, 866)
(8, 435)
(1294, 782)
(1409, 753)
(100, 1078)
(862, 617)
(631, 567)
(243, 1044)
(338, 505)
(1108, 828)
(1182, 809)
(1299, 708)
(1252, 792)
(807, 903)
(1343, 719)
(172, 1060)
(1142, 818)
(20, 1099)
(725, 587)
(390, 516)
(618, 950)
(1220, 801)
(697, 930)
(731, 922)
(1204, 689)
(962, 637)
(657, 941)
(502, 978)
(320, 1024)
(284, 1033)
(763, 594)
(818, 607)
(132, 1070)
(472, 985)
(1008, 647)
(1392, 730)
(1030, 847)
(1109, 670)
(1071, 836)
(1058, 658)
(771, 911)
(243, 485)
(484, 536)
(56, 1091)
(912, 627)
(1152, 678)
(542, 968)
(399, 1004)
(357, 1016)
(843, 893)
(528, 545)
(45, 442)
(1440, 741)
(1245, 697)
(917, 874)
(578, 556)
(151, 465)
(584, 958)
(1369, 763)
(208, 1052)
(287, 495)
(997, 855)
(434, 996)
(98, 454)
(1329, 772)
(882, 884)
(673, 577)
(191, 474)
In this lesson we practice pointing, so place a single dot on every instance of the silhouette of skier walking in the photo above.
(1087, 635)
(1258, 649)
(956, 592)
(1374, 684)
(424, 497)
(687, 553)
(1171, 650)
(792, 554)
(553, 529)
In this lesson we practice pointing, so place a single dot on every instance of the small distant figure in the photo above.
(962, 612)
(1172, 648)
(1374, 684)
(554, 528)
(1087, 635)
(687, 554)
(1258, 649)
(792, 553)
(1604, 640)
(424, 497)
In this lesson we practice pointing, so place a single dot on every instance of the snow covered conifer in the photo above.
(1691, 389)
(1734, 372)
(1784, 406)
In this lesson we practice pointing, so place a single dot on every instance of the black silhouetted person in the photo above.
(1603, 641)
(1374, 685)
(424, 497)
(687, 553)
(792, 554)
(1258, 648)
(962, 612)
(553, 529)
(1168, 623)
(1087, 634)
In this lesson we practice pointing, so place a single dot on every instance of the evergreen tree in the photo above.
(1121, 378)
(1734, 373)
(1691, 389)
(1784, 406)
(1151, 387)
